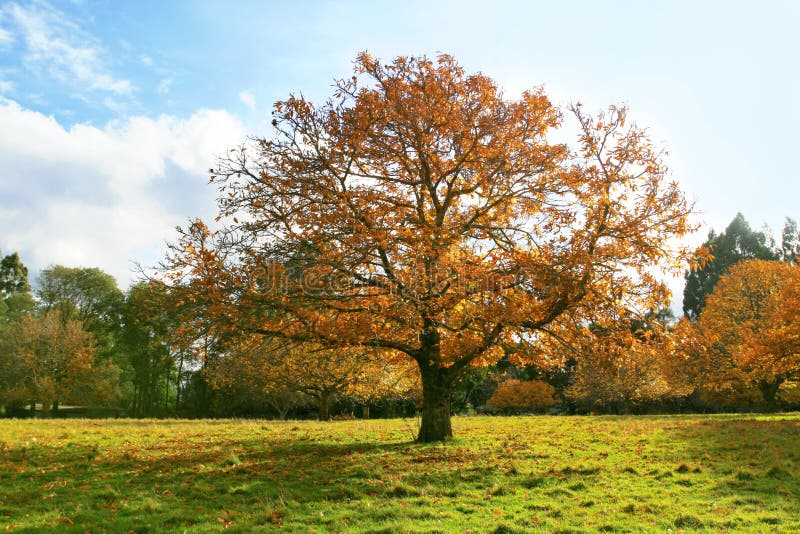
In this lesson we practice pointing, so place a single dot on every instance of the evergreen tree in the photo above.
(736, 243)
(15, 296)
(790, 242)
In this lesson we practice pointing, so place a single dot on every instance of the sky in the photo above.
(112, 112)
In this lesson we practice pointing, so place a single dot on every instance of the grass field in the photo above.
(519, 474)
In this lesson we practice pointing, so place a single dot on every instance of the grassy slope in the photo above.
(572, 474)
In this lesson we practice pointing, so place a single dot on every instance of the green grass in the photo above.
(521, 474)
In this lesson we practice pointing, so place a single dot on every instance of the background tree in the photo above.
(748, 330)
(15, 291)
(84, 294)
(441, 220)
(316, 373)
(54, 361)
(146, 339)
(622, 366)
(13, 275)
(14, 389)
(736, 243)
(790, 242)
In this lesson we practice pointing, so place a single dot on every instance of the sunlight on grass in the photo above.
(576, 474)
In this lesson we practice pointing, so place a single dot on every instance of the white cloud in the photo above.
(59, 45)
(6, 86)
(6, 39)
(104, 197)
(248, 99)
(164, 85)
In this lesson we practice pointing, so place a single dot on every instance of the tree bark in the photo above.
(769, 389)
(437, 386)
(324, 407)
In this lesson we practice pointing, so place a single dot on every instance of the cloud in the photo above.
(248, 99)
(63, 49)
(104, 197)
(6, 39)
(164, 85)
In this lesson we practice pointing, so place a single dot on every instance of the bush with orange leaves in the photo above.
(518, 395)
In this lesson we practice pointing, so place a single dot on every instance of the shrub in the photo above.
(518, 395)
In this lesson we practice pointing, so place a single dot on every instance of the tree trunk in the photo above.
(365, 411)
(769, 390)
(437, 386)
(324, 407)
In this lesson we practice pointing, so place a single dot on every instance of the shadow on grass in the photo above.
(749, 467)
(752, 464)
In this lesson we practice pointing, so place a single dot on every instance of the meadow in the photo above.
(500, 474)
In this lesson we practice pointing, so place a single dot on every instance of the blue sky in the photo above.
(111, 111)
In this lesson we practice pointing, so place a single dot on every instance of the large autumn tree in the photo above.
(433, 216)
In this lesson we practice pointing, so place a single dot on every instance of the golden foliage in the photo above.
(419, 210)
(749, 331)
(533, 395)
(620, 365)
(282, 369)
(53, 361)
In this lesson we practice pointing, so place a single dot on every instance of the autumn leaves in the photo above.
(414, 184)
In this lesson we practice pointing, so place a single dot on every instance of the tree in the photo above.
(440, 218)
(748, 333)
(147, 340)
(321, 374)
(736, 243)
(13, 275)
(790, 242)
(53, 362)
(621, 365)
(516, 395)
(15, 297)
(84, 294)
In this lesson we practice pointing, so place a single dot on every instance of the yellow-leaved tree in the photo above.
(288, 372)
(749, 332)
(419, 210)
(623, 367)
(54, 362)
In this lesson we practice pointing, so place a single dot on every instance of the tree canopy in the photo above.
(84, 294)
(50, 359)
(750, 328)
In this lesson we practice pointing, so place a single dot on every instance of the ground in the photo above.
(500, 474)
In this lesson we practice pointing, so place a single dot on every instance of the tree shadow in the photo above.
(747, 461)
